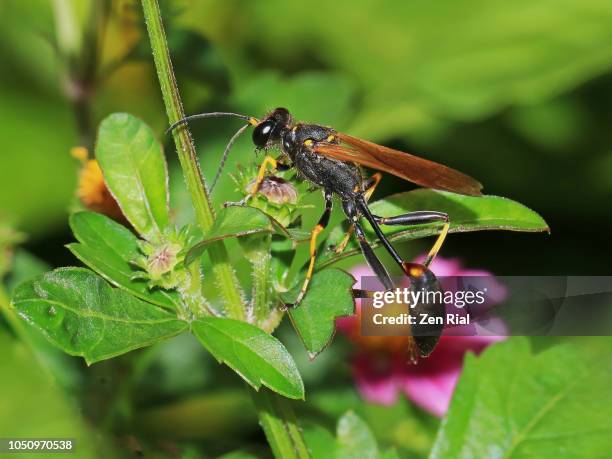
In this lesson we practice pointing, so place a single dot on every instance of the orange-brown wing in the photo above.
(404, 165)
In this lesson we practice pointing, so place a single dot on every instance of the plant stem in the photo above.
(280, 425)
(223, 272)
(261, 284)
(258, 253)
(262, 309)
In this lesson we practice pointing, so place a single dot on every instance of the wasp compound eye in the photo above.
(262, 132)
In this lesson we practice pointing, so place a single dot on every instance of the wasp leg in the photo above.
(404, 219)
(268, 160)
(261, 174)
(418, 218)
(350, 209)
(323, 222)
(370, 185)
(413, 218)
(345, 240)
(373, 261)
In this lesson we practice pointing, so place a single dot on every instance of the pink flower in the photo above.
(382, 369)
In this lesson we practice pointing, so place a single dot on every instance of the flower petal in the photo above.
(376, 379)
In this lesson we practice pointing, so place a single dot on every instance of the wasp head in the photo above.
(271, 127)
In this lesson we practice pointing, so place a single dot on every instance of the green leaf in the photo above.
(355, 439)
(329, 296)
(82, 315)
(513, 402)
(402, 424)
(320, 442)
(108, 248)
(235, 221)
(135, 172)
(467, 213)
(259, 358)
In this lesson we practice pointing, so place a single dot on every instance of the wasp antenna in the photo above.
(250, 119)
(226, 154)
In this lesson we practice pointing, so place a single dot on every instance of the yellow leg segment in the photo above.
(313, 256)
(345, 240)
(438, 244)
(268, 160)
(375, 179)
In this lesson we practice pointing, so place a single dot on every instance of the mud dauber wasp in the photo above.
(330, 160)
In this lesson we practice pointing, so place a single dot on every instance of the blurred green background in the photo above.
(517, 94)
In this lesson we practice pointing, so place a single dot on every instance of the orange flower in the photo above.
(92, 190)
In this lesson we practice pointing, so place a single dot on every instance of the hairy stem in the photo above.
(261, 285)
(222, 270)
(263, 310)
(278, 421)
(257, 251)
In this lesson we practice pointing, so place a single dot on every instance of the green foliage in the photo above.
(8, 239)
(44, 411)
(81, 314)
(320, 441)
(190, 417)
(43, 164)
(402, 424)
(232, 221)
(418, 67)
(110, 249)
(255, 355)
(135, 172)
(329, 296)
(467, 213)
(515, 402)
(51, 359)
(311, 96)
(238, 455)
(354, 440)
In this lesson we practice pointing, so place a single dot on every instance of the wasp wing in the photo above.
(417, 170)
